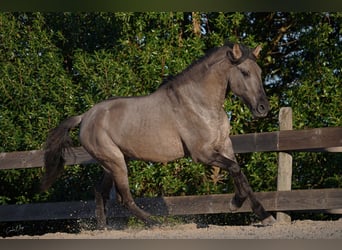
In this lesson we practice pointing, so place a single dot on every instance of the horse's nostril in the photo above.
(261, 108)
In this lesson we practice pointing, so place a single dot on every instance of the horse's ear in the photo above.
(256, 51)
(236, 51)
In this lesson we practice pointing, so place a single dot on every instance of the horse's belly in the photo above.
(154, 149)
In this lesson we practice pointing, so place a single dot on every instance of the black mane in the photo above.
(207, 60)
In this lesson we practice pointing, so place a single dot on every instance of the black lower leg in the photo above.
(241, 192)
(245, 191)
(100, 210)
(242, 188)
(238, 201)
(258, 208)
(102, 191)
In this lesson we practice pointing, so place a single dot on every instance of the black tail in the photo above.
(57, 142)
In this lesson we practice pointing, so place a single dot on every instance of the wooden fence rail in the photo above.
(329, 200)
(317, 139)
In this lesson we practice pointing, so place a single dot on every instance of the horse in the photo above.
(184, 117)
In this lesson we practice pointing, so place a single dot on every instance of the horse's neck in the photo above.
(214, 85)
(207, 91)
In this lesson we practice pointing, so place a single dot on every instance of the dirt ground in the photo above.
(305, 229)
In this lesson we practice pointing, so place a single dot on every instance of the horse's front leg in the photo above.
(243, 189)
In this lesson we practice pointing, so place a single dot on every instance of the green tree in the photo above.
(34, 88)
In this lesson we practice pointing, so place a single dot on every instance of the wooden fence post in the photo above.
(284, 161)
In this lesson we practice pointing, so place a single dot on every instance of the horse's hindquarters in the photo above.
(142, 128)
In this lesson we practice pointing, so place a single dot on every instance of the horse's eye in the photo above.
(245, 73)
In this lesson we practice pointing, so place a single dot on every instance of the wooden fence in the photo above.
(283, 141)
(313, 140)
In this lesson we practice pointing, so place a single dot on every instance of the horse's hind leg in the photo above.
(114, 163)
(122, 187)
(102, 191)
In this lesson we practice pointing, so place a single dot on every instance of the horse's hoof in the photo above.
(101, 227)
(269, 221)
(233, 206)
(152, 223)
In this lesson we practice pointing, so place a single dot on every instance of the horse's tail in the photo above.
(57, 143)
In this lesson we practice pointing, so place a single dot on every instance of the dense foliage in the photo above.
(55, 65)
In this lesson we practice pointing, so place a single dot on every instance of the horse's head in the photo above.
(245, 79)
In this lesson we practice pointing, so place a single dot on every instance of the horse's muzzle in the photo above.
(261, 110)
